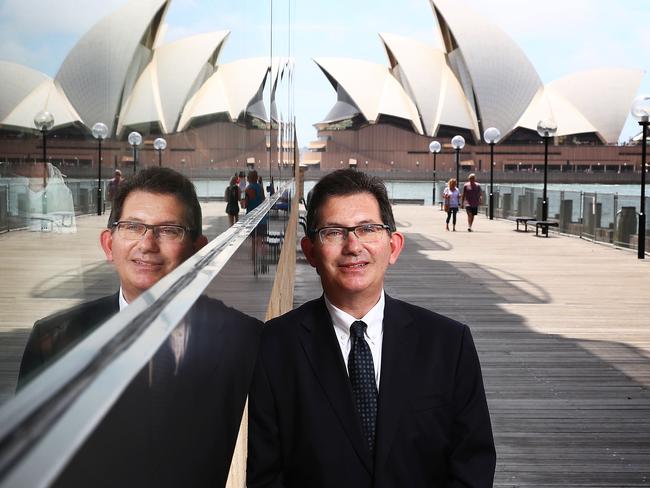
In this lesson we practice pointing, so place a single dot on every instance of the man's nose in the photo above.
(148, 240)
(352, 243)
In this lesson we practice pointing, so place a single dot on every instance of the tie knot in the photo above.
(358, 329)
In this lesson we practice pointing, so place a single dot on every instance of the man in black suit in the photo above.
(358, 389)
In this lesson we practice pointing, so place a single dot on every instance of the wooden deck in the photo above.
(562, 327)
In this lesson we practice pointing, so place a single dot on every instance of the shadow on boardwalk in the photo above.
(565, 412)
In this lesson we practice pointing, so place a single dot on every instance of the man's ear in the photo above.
(200, 242)
(396, 246)
(308, 249)
(106, 241)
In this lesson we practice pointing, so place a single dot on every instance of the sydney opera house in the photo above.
(385, 116)
(119, 73)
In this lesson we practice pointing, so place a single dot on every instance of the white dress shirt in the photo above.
(374, 319)
(177, 339)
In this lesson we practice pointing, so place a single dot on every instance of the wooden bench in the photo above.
(522, 220)
(544, 225)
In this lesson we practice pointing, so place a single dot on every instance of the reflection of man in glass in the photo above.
(182, 411)
(154, 226)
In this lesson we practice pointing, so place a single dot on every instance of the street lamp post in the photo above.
(100, 132)
(135, 139)
(458, 143)
(547, 129)
(491, 136)
(160, 144)
(44, 121)
(641, 111)
(434, 148)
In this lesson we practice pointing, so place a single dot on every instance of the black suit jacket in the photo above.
(176, 423)
(57, 333)
(433, 424)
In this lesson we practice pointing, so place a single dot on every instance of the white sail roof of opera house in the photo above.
(489, 64)
(480, 79)
(372, 88)
(25, 92)
(603, 96)
(99, 72)
(175, 73)
(230, 90)
(423, 72)
(18, 81)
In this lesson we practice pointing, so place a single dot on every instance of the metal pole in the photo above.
(641, 244)
(433, 194)
(159, 158)
(44, 200)
(491, 180)
(134, 161)
(544, 202)
(99, 179)
(457, 166)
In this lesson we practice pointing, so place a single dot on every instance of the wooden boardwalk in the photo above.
(562, 327)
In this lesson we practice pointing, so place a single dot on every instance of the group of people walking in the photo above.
(238, 192)
(471, 198)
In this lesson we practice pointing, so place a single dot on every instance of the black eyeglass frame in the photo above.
(347, 230)
(154, 228)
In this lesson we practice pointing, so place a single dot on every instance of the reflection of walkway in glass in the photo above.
(46, 272)
(561, 326)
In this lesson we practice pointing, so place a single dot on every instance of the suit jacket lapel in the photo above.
(324, 353)
(398, 350)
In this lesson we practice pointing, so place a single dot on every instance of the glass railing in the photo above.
(150, 384)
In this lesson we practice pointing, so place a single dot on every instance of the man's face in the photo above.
(352, 273)
(142, 262)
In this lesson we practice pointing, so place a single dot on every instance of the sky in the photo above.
(563, 37)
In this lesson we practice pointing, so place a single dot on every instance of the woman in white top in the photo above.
(452, 201)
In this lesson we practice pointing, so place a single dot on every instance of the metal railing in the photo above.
(602, 217)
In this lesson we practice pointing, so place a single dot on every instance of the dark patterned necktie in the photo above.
(364, 387)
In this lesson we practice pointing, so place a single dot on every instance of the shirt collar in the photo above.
(374, 319)
(122, 301)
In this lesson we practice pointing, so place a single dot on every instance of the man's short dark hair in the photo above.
(344, 182)
(162, 181)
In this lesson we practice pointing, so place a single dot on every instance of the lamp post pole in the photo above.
(641, 111)
(547, 129)
(44, 121)
(491, 136)
(100, 132)
(135, 139)
(641, 245)
(544, 199)
(159, 144)
(458, 143)
(434, 148)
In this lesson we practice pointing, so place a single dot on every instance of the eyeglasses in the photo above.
(136, 230)
(365, 233)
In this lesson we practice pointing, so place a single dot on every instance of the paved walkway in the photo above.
(563, 331)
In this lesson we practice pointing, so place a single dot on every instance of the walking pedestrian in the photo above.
(232, 200)
(471, 198)
(452, 202)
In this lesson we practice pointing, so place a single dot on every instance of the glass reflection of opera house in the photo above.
(96, 415)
